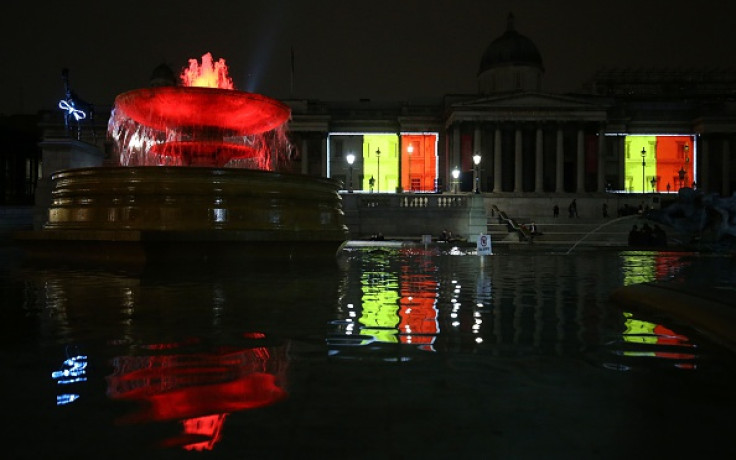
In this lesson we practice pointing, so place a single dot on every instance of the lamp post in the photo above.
(476, 176)
(687, 162)
(378, 173)
(410, 150)
(643, 169)
(350, 159)
(455, 176)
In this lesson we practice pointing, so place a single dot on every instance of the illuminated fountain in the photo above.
(203, 123)
(197, 180)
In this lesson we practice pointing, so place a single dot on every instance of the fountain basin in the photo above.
(144, 215)
(174, 107)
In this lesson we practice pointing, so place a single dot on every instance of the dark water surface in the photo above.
(391, 353)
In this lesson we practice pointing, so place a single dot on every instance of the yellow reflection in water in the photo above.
(638, 267)
(380, 306)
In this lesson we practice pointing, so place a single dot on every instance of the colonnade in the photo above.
(713, 174)
(493, 151)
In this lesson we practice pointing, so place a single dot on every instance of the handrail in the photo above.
(522, 230)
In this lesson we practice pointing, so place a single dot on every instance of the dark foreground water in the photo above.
(391, 353)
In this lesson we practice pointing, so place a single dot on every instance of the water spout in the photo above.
(618, 219)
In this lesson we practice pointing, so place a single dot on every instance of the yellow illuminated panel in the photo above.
(640, 162)
(382, 167)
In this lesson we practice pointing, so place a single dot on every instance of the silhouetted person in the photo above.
(634, 236)
(556, 211)
(659, 237)
(573, 208)
(646, 234)
(605, 210)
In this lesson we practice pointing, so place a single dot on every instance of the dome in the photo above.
(511, 48)
(163, 76)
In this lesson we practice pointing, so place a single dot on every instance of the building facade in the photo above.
(625, 131)
(629, 131)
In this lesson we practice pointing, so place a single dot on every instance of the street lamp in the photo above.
(455, 176)
(409, 151)
(643, 169)
(476, 178)
(683, 170)
(378, 173)
(350, 159)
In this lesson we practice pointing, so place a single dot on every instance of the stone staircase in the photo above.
(561, 231)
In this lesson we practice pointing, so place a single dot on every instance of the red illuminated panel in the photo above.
(418, 162)
(674, 153)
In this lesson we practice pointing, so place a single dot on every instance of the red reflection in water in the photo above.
(419, 323)
(668, 337)
(206, 123)
(200, 433)
(198, 388)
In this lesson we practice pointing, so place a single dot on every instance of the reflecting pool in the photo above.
(394, 352)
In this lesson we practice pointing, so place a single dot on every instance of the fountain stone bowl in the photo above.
(141, 215)
(235, 112)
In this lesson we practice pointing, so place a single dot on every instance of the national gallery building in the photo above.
(626, 131)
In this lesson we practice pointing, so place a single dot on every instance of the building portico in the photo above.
(530, 142)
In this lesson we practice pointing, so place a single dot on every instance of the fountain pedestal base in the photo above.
(146, 215)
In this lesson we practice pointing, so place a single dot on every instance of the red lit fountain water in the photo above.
(203, 123)
(197, 180)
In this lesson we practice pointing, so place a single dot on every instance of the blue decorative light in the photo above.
(76, 368)
(70, 107)
(66, 399)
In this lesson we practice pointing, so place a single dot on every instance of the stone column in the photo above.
(539, 163)
(559, 163)
(497, 164)
(601, 187)
(305, 157)
(726, 168)
(476, 139)
(324, 155)
(580, 166)
(621, 145)
(399, 170)
(518, 161)
(703, 182)
(476, 151)
(455, 160)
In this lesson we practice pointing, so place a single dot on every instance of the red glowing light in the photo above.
(202, 109)
(187, 153)
(211, 74)
(206, 123)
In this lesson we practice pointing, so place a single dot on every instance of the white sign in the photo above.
(484, 245)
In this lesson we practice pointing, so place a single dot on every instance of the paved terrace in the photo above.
(406, 217)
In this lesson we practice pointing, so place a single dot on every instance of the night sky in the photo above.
(397, 50)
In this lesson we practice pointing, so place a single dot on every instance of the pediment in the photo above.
(520, 101)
